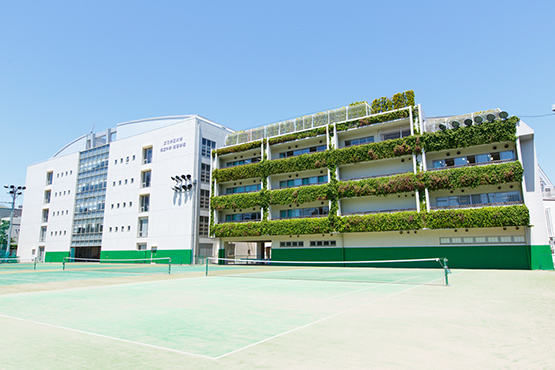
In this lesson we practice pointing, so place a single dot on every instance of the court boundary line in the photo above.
(314, 322)
(225, 354)
(109, 337)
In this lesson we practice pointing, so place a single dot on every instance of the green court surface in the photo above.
(100, 319)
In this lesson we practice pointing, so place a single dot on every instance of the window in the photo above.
(243, 161)
(293, 153)
(42, 234)
(45, 215)
(125, 181)
(204, 199)
(396, 134)
(145, 179)
(144, 201)
(49, 176)
(304, 212)
(47, 194)
(203, 225)
(480, 240)
(322, 243)
(243, 189)
(143, 227)
(478, 199)
(304, 181)
(362, 140)
(508, 155)
(291, 244)
(141, 246)
(147, 155)
(207, 146)
(205, 172)
(239, 217)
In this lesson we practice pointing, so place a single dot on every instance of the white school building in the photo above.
(138, 190)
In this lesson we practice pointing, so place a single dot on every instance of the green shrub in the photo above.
(478, 217)
(485, 133)
(380, 222)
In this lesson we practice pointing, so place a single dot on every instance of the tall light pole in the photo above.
(14, 191)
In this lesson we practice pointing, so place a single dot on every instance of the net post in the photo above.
(169, 266)
(63, 264)
(446, 269)
(206, 262)
(34, 264)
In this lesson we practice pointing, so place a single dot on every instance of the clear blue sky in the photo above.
(66, 65)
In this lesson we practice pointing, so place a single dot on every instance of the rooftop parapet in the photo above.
(346, 113)
(433, 124)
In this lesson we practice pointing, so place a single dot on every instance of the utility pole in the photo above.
(14, 192)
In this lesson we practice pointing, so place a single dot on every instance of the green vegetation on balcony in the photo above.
(464, 137)
(453, 178)
(444, 219)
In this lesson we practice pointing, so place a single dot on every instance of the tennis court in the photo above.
(273, 317)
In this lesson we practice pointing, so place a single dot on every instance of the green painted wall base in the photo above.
(523, 257)
(55, 256)
(178, 256)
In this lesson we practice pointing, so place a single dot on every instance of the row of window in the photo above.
(296, 152)
(304, 212)
(479, 199)
(132, 158)
(360, 141)
(243, 189)
(313, 243)
(504, 239)
(50, 175)
(240, 217)
(46, 213)
(122, 228)
(124, 182)
(123, 205)
(243, 161)
(472, 159)
(304, 181)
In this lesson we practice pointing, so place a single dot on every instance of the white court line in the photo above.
(313, 323)
(372, 287)
(108, 337)
(226, 354)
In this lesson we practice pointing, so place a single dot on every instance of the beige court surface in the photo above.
(484, 319)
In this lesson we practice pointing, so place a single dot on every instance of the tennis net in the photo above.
(425, 271)
(18, 263)
(139, 266)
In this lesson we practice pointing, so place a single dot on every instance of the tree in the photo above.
(4, 226)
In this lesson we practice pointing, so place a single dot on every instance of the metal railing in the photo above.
(481, 205)
(374, 176)
(301, 123)
(472, 164)
(381, 211)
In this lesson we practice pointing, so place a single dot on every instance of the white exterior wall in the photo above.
(59, 227)
(173, 216)
(531, 185)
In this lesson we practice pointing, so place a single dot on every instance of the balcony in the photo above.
(469, 206)
(473, 164)
(381, 211)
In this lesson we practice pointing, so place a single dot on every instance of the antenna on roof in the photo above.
(92, 129)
